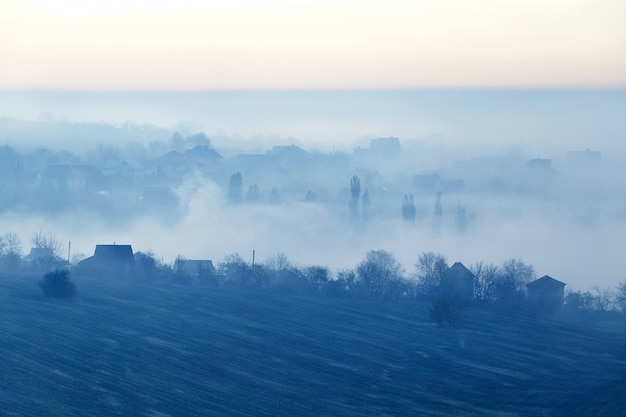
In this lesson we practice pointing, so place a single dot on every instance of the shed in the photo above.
(457, 284)
(546, 293)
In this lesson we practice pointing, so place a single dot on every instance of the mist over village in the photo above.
(183, 195)
(312, 208)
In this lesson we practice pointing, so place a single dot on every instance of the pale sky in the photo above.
(305, 44)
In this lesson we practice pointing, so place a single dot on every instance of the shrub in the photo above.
(57, 284)
(447, 314)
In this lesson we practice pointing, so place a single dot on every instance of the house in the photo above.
(195, 268)
(43, 258)
(385, 146)
(291, 154)
(427, 182)
(546, 293)
(208, 159)
(114, 259)
(457, 284)
(173, 165)
(75, 178)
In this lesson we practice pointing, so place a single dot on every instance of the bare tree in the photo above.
(381, 274)
(10, 250)
(620, 295)
(510, 284)
(485, 277)
(49, 241)
(430, 268)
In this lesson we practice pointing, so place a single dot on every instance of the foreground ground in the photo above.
(124, 349)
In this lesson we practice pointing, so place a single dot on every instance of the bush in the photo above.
(57, 284)
(447, 314)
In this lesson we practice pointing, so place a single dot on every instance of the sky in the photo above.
(304, 44)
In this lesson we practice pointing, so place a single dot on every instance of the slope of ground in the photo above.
(122, 349)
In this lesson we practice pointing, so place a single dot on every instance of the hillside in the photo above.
(125, 349)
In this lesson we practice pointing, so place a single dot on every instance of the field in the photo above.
(133, 350)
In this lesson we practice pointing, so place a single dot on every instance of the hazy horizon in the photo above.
(436, 129)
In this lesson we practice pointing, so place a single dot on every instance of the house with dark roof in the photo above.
(208, 159)
(109, 259)
(546, 293)
(196, 268)
(173, 165)
(457, 284)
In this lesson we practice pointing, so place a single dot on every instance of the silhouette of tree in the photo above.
(235, 188)
(408, 208)
(381, 274)
(430, 268)
(460, 219)
(355, 195)
(447, 314)
(47, 240)
(365, 204)
(437, 213)
(57, 284)
(620, 295)
(485, 276)
(10, 251)
(254, 193)
(510, 283)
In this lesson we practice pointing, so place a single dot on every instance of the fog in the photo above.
(567, 216)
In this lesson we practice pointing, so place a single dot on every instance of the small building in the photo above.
(109, 259)
(546, 293)
(457, 284)
(196, 268)
(43, 258)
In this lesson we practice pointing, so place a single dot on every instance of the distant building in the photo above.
(43, 258)
(291, 154)
(196, 268)
(109, 259)
(208, 159)
(540, 164)
(75, 178)
(546, 293)
(385, 146)
(427, 182)
(457, 284)
(173, 165)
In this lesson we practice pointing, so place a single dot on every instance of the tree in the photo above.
(47, 240)
(10, 251)
(460, 219)
(510, 283)
(620, 295)
(237, 272)
(317, 276)
(235, 188)
(381, 274)
(485, 276)
(365, 204)
(355, 195)
(57, 284)
(447, 314)
(253, 194)
(408, 208)
(430, 268)
(437, 212)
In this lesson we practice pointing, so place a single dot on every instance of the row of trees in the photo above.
(47, 252)
(379, 276)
